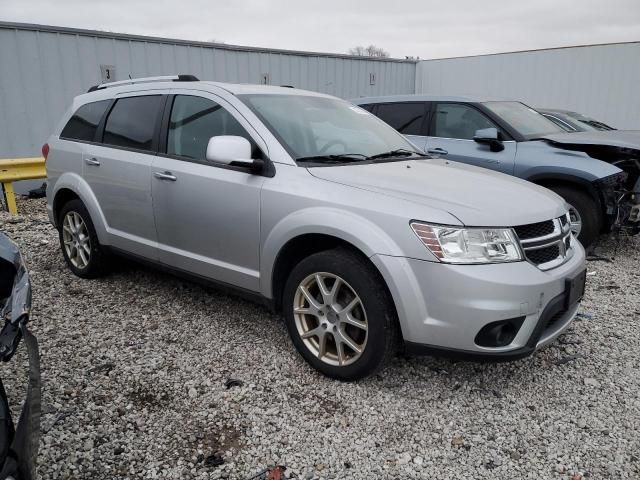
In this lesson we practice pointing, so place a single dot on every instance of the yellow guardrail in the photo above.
(15, 169)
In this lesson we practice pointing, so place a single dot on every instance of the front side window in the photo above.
(194, 120)
(84, 123)
(310, 126)
(525, 120)
(452, 120)
(405, 117)
(132, 122)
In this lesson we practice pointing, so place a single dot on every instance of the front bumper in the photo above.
(442, 307)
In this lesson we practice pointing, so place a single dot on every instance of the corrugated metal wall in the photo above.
(602, 81)
(42, 68)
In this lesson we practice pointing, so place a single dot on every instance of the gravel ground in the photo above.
(134, 369)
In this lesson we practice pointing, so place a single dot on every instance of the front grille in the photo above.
(543, 255)
(534, 230)
(546, 244)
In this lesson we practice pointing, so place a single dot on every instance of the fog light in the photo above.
(500, 333)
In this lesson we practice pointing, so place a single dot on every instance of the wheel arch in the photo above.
(71, 186)
(556, 179)
(304, 245)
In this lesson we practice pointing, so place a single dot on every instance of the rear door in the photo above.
(207, 214)
(451, 132)
(118, 170)
(409, 118)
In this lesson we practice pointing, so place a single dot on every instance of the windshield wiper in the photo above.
(400, 152)
(342, 158)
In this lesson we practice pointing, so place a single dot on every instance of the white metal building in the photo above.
(601, 81)
(43, 67)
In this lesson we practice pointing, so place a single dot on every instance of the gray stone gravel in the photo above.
(135, 365)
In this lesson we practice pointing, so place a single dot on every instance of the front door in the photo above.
(453, 126)
(207, 215)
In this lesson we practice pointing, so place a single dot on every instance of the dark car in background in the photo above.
(573, 121)
(597, 173)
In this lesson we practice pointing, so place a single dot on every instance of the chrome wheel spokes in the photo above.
(330, 319)
(575, 220)
(75, 239)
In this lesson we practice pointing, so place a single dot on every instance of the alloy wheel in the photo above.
(575, 220)
(75, 237)
(330, 318)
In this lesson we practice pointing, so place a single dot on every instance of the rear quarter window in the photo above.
(84, 123)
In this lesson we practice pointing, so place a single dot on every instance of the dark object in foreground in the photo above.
(39, 192)
(18, 445)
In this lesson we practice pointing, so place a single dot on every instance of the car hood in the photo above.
(476, 196)
(626, 139)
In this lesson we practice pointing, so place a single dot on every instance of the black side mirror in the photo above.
(491, 137)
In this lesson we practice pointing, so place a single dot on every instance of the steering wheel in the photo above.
(332, 143)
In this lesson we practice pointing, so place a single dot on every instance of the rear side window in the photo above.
(368, 108)
(132, 122)
(404, 117)
(84, 123)
(194, 120)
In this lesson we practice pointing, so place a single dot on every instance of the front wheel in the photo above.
(584, 213)
(339, 314)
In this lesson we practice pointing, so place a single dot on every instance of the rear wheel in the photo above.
(339, 314)
(584, 212)
(80, 247)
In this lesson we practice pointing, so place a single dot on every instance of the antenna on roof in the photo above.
(129, 76)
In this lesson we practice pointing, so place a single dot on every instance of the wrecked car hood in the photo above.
(476, 196)
(625, 139)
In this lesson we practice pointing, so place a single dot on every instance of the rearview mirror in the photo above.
(489, 136)
(230, 149)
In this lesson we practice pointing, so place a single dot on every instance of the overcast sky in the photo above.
(425, 28)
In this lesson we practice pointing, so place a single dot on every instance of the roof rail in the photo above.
(134, 81)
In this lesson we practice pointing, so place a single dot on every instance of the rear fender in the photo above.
(74, 182)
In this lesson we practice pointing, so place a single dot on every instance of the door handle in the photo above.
(437, 151)
(165, 176)
(92, 161)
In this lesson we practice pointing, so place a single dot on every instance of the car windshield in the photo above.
(525, 120)
(327, 130)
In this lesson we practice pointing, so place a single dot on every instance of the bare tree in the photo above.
(370, 51)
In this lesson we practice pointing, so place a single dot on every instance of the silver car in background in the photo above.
(318, 209)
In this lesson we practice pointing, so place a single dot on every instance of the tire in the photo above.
(92, 251)
(587, 209)
(358, 282)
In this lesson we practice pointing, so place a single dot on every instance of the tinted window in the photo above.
(84, 123)
(404, 117)
(458, 121)
(368, 108)
(194, 120)
(132, 122)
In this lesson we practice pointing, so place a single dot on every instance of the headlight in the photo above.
(469, 245)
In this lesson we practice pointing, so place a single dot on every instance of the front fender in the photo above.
(537, 161)
(74, 182)
(350, 227)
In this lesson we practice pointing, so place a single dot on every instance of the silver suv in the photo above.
(319, 209)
